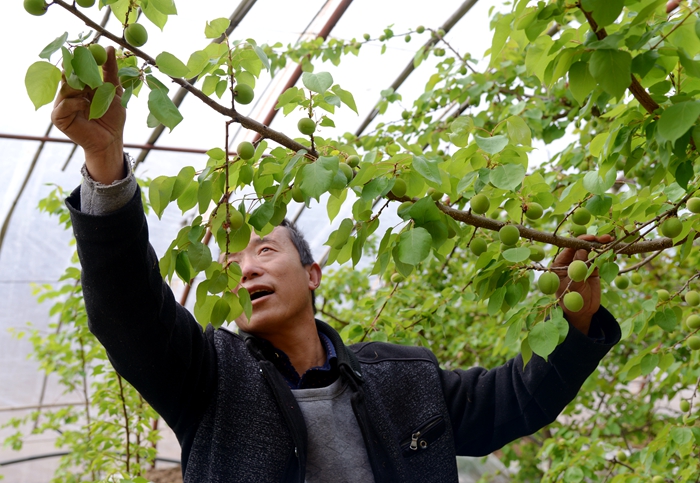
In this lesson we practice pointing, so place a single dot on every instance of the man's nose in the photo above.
(249, 269)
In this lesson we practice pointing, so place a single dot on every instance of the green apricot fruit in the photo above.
(399, 189)
(548, 283)
(478, 246)
(347, 171)
(693, 321)
(577, 270)
(243, 94)
(621, 456)
(403, 208)
(693, 342)
(658, 479)
(353, 160)
(480, 204)
(509, 235)
(246, 150)
(420, 29)
(98, 53)
(85, 3)
(685, 406)
(396, 278)
(536, 253)
(636, 278)
(692, 298)
(534, 211)
(297, 194)
(406, 115)
(306, 126)
(235, 218)
(578, 229)
(693, 205)
(434, 194)
(663, 295)
(35, 7)
(581, 216)
(622, 282)
(136, 35)
(245, 175)
(573, 301)
(671, 228)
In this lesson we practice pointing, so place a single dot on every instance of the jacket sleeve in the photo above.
(151, 340)
(490, 408)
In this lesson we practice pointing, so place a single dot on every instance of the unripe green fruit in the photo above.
(621, 456)
(35, 7)
(622, 282)
(396, 278)
(420, 29)
(692, 298)
(347, 171)
(478, 246)
(636, 278)
(536, 253)
(85, 3)
(573, 301)
(663, 295)
(451, 233)
(581, 216)
(693, 205)
(246, 150)
(534, 211)
(98, 53)
(671, 228)
(578, 229)
(693, 322)
(406, 115)
(495, 214)
(245, 175)
(577, 270)
(434, 194)
(243, 94)
(235, 219)
(297, 194)
(509, 235)
(693, 342)
(136, 35)
(403, 208)
(480, 204)
(365, 36)
(658, 479)
(685, 406)
(353, 160)
(399, 189)
(548, 283)
(306, 126)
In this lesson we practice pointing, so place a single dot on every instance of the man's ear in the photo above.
(314, 271)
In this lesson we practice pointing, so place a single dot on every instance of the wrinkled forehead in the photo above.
(279, 236)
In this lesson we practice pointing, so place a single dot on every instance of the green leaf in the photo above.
(612, 70)
(261, 216)
(596, 185)
(681, 435)
(42, 81)
(158, 18)
(159, 193)
(55, 45)
(543, 339)
(649, 363)
(200, 256)
(197, 62)
(171, 65)
(517, 255)
(346, 97)
(166, 7)
(163, 109)
(85, 67)
(262, 56)
(414, 246)
(427, 168)
(219, 312)
(518, 131)
(608, 271)
(102, 100)
(604, 11)
(581, 81)
(317, 177)
(678, 119)
(492, 145)
(293, 94)
(216, 28)
(666, 319)
(501, 34)
(599, 205)
(507, 176)
(496, 300)
(182, 182)
(318, 83)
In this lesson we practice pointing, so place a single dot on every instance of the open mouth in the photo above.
(262, 293)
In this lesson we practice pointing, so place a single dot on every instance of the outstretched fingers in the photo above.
(110, 70)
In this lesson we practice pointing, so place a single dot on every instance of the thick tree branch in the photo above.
(235, 116)
(635, 87)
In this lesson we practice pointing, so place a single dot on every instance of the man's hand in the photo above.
(101, 139)
(589, 288)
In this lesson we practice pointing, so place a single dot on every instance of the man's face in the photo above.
(278, 283)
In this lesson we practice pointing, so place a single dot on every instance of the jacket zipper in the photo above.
(414, 442)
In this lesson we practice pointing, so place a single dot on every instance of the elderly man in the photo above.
(285, 399)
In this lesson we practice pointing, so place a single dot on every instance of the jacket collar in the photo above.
(347, 361)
